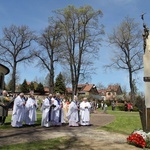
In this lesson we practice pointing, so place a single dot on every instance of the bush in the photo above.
(121, 107)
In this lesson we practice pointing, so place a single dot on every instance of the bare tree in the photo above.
(66, 76)
(49, 42)
(100, 86)
(127, 39)
(81, 37)
(15, 48)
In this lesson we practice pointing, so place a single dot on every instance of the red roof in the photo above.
(102, 92)
(46, 89)
(82, 88)
(28, 83)
(69, 90)
(87, 87)
(113, 87)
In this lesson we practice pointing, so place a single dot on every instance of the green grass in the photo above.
(125, 122)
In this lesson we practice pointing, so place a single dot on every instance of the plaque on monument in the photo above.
(146, 79)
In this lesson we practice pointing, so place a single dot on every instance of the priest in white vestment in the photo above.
(56, 112)
(73, 116)
(47, 106)
(31, 107)
(18, 111)
(85, 108)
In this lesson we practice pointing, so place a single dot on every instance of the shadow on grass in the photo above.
(62, 143)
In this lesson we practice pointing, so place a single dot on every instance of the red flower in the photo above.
(136, 139)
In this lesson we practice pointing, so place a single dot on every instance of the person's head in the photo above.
(21, 95)
(84, 99)
(75, 98)
(32, 94)
(50, 95)
(58, 95)
(4, 93)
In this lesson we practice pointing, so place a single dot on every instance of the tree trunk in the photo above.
(51, 83)
(132, 94)
(14, 78)
(52, 74)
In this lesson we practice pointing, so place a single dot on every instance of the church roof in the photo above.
(4, 69)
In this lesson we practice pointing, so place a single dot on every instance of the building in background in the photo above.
(113, 91)
(86, 90)
(3, 71)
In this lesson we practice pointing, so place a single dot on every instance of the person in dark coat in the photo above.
(4, 102)
(125, 106)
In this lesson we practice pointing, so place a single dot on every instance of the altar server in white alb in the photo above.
(47, 111)
(18, 111)
(85, 108)
(72, 114)
(31, 107)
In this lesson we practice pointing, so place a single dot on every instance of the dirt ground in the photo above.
(89, 136)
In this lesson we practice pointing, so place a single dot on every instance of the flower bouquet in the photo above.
(139, 138)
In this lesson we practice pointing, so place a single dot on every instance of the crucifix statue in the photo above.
(145, 34)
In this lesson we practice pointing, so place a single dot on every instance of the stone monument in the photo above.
(146, 63)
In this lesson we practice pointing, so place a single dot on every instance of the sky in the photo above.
(35, 14)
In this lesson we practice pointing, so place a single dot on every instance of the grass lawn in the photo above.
(125, 122)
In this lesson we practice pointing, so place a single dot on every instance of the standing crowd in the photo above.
(24, 110)
(55, 110)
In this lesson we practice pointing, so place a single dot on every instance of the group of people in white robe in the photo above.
(55, 112)
(52, 114)
(24, 110)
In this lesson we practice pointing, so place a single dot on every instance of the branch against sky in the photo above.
(15, 47)
(81, 38)
(127, 39)
(47, 54)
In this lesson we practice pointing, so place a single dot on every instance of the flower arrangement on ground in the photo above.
(139, 138)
